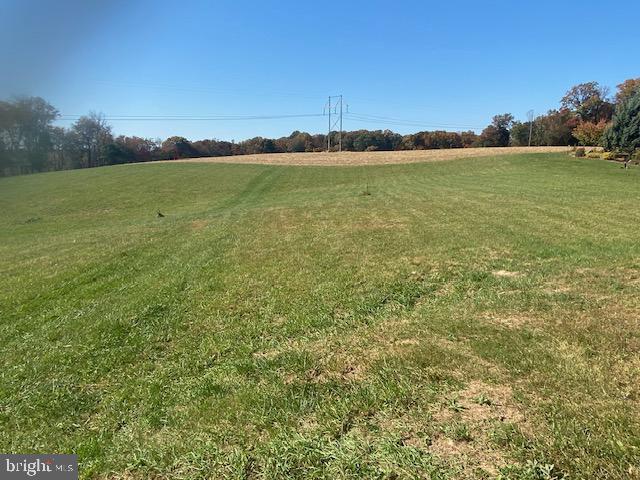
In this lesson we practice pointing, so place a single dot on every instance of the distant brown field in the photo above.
(371, 158)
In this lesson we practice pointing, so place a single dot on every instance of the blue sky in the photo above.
(434, 63)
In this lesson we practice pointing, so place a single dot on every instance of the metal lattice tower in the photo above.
(337, 110)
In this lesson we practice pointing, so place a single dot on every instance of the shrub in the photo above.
(609, 156)
(579, 152)
(594, 155)
(589, 133)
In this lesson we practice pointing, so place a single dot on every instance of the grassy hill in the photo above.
(466, 318)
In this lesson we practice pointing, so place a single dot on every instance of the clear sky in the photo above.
(434, 63)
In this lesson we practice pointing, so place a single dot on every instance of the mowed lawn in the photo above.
(462, 319)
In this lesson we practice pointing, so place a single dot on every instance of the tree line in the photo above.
(30, 142)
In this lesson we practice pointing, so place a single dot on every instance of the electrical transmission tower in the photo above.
(337, 110)
(530, 118)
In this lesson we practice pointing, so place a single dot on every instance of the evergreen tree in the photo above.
(624, 132)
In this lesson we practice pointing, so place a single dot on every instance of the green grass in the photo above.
(467, 319)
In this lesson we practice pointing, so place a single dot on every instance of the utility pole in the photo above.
(530, 117)
(338, 122)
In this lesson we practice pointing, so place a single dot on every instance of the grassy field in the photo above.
(471, 318)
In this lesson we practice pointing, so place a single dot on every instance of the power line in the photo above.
(207, 89)
(194, 117)
(365, 118)
(399, 120)
(335, 108)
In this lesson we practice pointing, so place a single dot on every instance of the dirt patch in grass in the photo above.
(506, 274)
(267, 354)
(557, 288)
(508, 320)
(378, 224)
(371, 158)
(587, 277)
(348, 371)
(198, 224)
(465, 420)
(479, 402)
(468, 456)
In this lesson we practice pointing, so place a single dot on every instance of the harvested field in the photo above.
(372, 158)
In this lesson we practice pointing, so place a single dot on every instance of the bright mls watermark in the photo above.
(47, 467)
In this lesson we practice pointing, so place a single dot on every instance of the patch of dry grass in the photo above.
(465, 423)
(372, 158)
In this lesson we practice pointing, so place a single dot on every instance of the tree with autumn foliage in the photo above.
(590, 133)
(626, 89)
(589, 102)
(498, 133)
